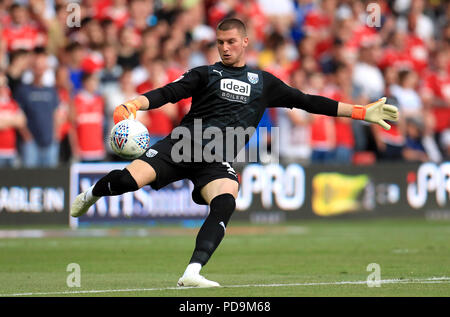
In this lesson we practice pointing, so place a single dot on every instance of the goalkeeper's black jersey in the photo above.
(233, 98)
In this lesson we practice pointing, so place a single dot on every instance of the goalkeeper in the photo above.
(226, 94)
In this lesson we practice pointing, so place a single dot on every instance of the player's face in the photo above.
(231, 45)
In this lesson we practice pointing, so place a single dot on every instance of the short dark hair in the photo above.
(232, 23)
(17, 53)
(85, 76)
(73, 46)
(39, 50)
(403, 74)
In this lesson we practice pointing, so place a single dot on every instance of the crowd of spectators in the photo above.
(65, 65)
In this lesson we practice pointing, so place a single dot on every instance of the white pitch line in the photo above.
(431, 280)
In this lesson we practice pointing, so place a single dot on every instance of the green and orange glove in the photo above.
(376, 112)
(126, 110)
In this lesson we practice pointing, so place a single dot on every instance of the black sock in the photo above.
(117, 182)
(213, 229)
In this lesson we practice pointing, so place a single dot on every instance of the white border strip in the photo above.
(432, 280)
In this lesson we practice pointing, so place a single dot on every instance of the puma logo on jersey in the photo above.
(218, 71)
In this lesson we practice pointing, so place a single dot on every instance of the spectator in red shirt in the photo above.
(22, 32)
(62, 113)
(118, 12)
(435, 90)
(88, 120)
(323, 132)
(345, 142)
(435, 93)
(405, 51)
(141, 13)
(11, 118)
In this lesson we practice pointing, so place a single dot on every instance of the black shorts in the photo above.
(168, 171)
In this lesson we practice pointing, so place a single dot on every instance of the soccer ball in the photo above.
(129, 139)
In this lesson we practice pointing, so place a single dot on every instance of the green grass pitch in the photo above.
(308, 258)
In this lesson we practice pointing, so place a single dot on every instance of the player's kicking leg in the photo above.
(136, 175)
(220, 195)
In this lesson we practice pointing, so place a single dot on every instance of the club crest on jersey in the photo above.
(252, 78)
(151, 153)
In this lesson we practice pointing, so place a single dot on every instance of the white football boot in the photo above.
(81, 204)
(195, 280)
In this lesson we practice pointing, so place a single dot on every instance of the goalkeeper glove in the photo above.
(126, 110)
(376, 112)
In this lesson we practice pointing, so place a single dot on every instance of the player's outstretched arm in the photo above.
(183, 87)
(286, 96)
(376, 112)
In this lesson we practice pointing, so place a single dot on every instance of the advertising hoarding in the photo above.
(145, 205)
(34, 196)
(291, 191)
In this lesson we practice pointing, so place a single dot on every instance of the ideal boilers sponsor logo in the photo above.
(279, 187)
(17, 199)
(173, 201)
(429, 178)
(235, 90)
